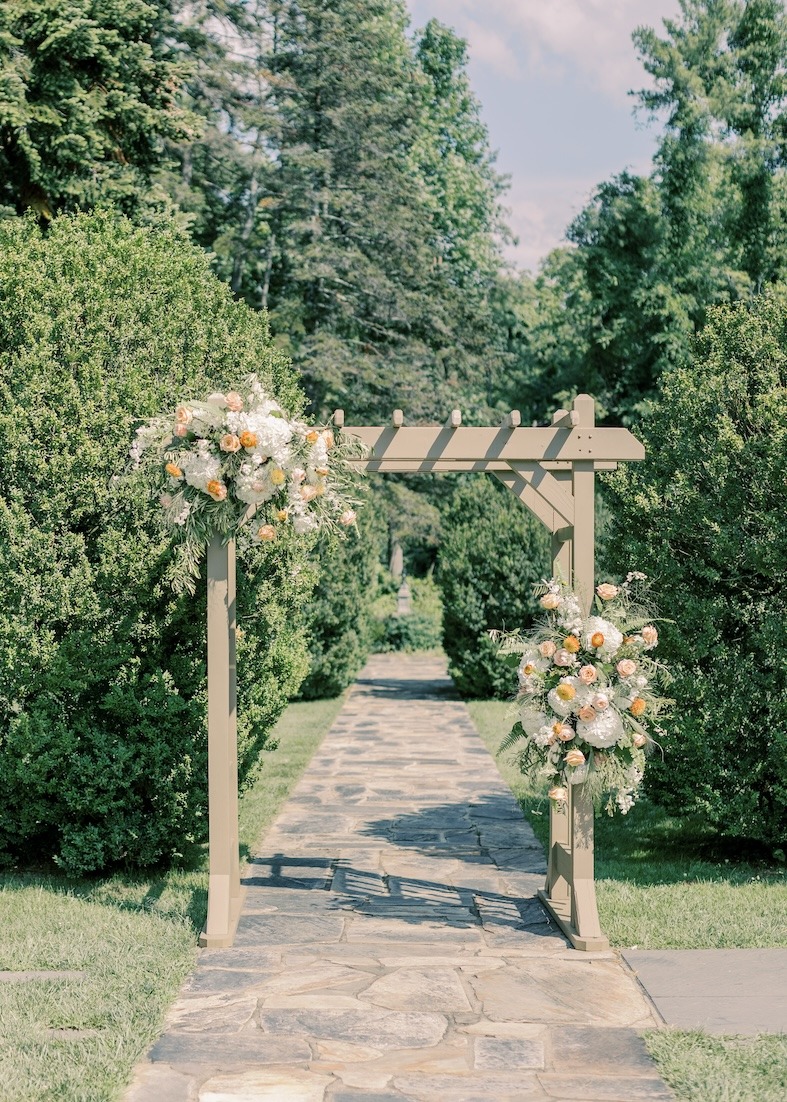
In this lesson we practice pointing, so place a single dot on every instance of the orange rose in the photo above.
(597, 639)
(248, 439)
(173, 470)
(216, 489)
(637, 706)
(312, 437)
(267, 532)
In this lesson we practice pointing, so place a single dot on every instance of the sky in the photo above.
(553, 78)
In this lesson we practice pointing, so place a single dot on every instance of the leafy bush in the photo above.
(102, 669)
(339, 615)
(493, 553)
(704, 516)
(421, 629)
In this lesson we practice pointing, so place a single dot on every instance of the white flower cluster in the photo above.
(587, 692)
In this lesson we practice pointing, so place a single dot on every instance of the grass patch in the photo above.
(700, 1068)
(132, 939)
(663, 882)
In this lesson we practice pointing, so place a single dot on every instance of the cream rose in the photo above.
(575, 757)
(547, 648)
(626, 667)
(606, 591)
(588, 674)
(550, 601)
(229, 442)
(650, 636)
(559, 794)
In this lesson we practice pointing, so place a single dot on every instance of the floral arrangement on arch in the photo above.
(237, 457)
(589, 698)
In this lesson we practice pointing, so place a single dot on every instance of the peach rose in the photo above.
(563, 657)
(571, 644)
(547, 649)
(278, 477)
(327, 436)
(587, 712)
(639, 740)
(234, 401)
(559, 794)
(550, 601)
(266, 532)
(575, 757)
(626, 667)
(173, 470)
(229, 442)
(181, 431)
(606, 591)
(588, 674)
(347, 518)
(566, 691)
(248, 439)
(216, 489)
(564, 732)
(600, 702)
(637, 706)
(183, 415)
(308, 493)
(650, 636)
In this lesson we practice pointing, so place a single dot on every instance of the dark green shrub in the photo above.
(421, 629)
(704, 516)
(339, 617)
(102, 669)
(493, 553)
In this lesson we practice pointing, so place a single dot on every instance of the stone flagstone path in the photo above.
(391, 946)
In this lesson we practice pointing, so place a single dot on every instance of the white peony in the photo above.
(532, 719)
(596, 625)
(603, 731)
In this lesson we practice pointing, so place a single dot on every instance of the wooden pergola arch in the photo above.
(552, 471)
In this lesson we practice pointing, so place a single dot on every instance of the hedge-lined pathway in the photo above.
(391, 946)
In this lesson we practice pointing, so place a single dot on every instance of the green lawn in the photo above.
(131, 938)
(664, 883)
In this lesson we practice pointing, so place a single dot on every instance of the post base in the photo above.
(561, 912)
(223, 939)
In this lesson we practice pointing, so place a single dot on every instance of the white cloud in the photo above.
(593, 36)
(539, 215)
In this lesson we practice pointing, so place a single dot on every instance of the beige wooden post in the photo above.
(224, 890)
(570, 891)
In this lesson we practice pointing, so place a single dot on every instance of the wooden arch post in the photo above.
(552, 472)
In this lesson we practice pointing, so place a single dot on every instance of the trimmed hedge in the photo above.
(704, 516)
(493, 553)
(102, 669)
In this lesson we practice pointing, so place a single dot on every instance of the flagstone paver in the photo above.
(391, 946)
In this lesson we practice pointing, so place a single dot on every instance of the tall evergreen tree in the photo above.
(88, 93)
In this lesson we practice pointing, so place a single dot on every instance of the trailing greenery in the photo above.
(703, 516)
(133, 936)
(492, 555)
(102, 669)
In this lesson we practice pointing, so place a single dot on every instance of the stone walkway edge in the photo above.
(391, 946)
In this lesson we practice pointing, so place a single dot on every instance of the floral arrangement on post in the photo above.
(589, 700)
(235, 457)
